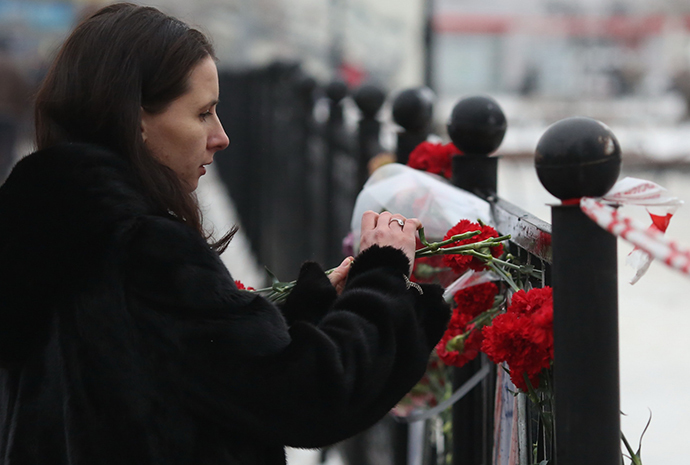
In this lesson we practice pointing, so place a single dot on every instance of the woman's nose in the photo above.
(219, 140)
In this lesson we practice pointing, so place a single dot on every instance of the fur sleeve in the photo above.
(237, 366)
(171, 270)
(312, 296)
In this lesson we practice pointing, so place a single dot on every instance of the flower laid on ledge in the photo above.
(461, 263)
(513, 327)
(476, 246)
(523, 337)
(468, 249)
(463, 339)
(433, 158)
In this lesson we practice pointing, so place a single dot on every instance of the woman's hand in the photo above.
(338, 276)
(387, 229)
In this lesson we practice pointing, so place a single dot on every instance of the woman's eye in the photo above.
(205, 115)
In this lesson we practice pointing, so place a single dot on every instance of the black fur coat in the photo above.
(124, 340)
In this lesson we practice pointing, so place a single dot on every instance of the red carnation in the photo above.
(527, 303)
(460, 263)
(242, 286)
(476, 299)
(471, 344)
(472, 301)
(434, 158)
(523, 336)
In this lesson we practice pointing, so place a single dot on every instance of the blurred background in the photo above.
(288, 66)
(625, 62)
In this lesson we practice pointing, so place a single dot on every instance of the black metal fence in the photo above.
(294, 180)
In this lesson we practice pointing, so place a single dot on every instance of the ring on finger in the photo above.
(397, 220)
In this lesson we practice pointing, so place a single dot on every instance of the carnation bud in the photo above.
(425, 271)
(456, 344)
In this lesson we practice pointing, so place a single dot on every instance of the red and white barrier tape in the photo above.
(650, 240)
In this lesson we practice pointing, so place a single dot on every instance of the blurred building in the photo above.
(373, 41)
(625, 62)
(617, 60)
(367, 41)
(30, 29)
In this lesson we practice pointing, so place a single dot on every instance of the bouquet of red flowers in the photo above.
(523, 337)
(433, 158)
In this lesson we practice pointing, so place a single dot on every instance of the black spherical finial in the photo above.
(336, 91)
(477, 125)
(413, 109)
(578, 157)
(369, 99)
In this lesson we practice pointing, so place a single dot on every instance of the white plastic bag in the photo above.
(416, 194)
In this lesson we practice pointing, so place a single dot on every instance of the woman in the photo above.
(123, 338)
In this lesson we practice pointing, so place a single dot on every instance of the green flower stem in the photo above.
(458, 342)
(422, 237)
(434, 246)
(486, 317)
(506, 276)
(546, 417)
(519, 268)
(278, 291)
(434, 249)
(531, 393)
(634, 456)
(482, 256)
(281, 287)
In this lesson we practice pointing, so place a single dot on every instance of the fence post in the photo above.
(305, 87)
(413, 110)
(369, 100)
(579, 157)
(476, 127)
(336, 91)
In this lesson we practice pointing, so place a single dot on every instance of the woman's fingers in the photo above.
(412, 224)
(338, 277)
(369, 220)
(383, 220)
(389, 230)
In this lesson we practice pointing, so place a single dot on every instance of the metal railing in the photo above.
(295, 178)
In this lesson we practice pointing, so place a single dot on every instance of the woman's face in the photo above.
(187, 133)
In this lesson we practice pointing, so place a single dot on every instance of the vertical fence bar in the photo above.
(336, 91)
(476, 127)
(413, 111)
(306, 126)
(579, 157)
(369, 100)
(284, 223)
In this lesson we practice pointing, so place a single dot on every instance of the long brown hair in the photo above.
(122, 59)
